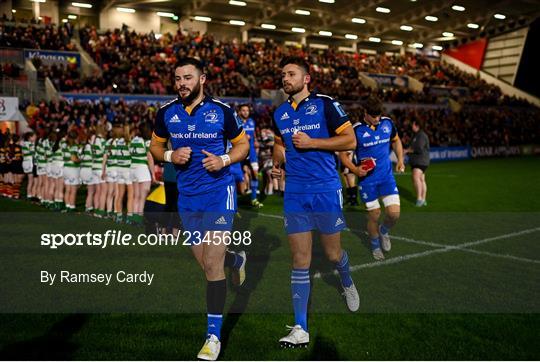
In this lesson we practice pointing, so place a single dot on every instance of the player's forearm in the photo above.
(239, 150)
(346, 161)
(345, 141)
(150, 160)
(397, 146)
(278, 154)
(157, 149)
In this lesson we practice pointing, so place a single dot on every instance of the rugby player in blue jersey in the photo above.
(308, 129)
(251, 164)
(376, 136)
(198, 127)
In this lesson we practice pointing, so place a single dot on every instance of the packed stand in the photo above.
(235, 68)
(50, 37)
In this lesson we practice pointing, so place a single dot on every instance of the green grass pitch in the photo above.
(461, 282)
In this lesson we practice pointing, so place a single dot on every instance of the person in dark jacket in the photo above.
(418, 153)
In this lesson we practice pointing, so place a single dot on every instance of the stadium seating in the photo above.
(239, 69)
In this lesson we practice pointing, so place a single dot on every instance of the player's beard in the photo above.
(192, 95)
(292, 90)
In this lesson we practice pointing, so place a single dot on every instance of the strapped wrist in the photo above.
(226, 159)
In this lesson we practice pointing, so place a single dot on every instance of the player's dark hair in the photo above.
(27, 135)
(373, 106)
(299, 61)
(71, 137)
(190, 61)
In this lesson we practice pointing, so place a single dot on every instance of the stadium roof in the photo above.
(408, 21)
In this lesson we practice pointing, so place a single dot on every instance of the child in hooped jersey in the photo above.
(87, 176)
(98, 152)
(28, 149)
(142, 170)
(71, 170)
(124, 186)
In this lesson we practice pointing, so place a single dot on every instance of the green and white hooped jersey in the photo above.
(110, 151)
(138, 148)
(68, 152)
(98, 151)
(121, 150)
(58, 155)
(85, 156)
(41, 151)
(47, 146)
(28, 150)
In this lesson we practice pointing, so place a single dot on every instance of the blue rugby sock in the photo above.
(300, 287)
(254, 188)
(213, 325)
(233, 260)
(375, 243)
(343, 269)
(384, 229)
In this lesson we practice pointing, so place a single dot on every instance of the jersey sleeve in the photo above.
(160, 128)
(394, 134)
(336, 117)
(275, 128)
(232, 125)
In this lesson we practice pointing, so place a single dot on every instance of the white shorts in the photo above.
(55, 169)
(27, 166)
(97, 174)
(41, 169)
(88, 177)
(140, 174)
(124, 176)
(111, 175)
(72, 176)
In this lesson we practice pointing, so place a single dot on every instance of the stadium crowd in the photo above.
(34, 36)
(139, 63)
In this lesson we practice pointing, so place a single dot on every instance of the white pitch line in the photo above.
(395, 260)
(466, 249)
(503, 256)
(268, 215)
(505, 236)
(439, 248)
(447, 249)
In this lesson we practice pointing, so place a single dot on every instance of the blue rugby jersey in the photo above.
(208, 126)
(319, 116)
(375, 142)
(249, 127)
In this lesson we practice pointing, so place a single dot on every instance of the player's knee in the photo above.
(301, 260)
(333, 255)
(374, 214)
(393, 215)
(212, 267)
